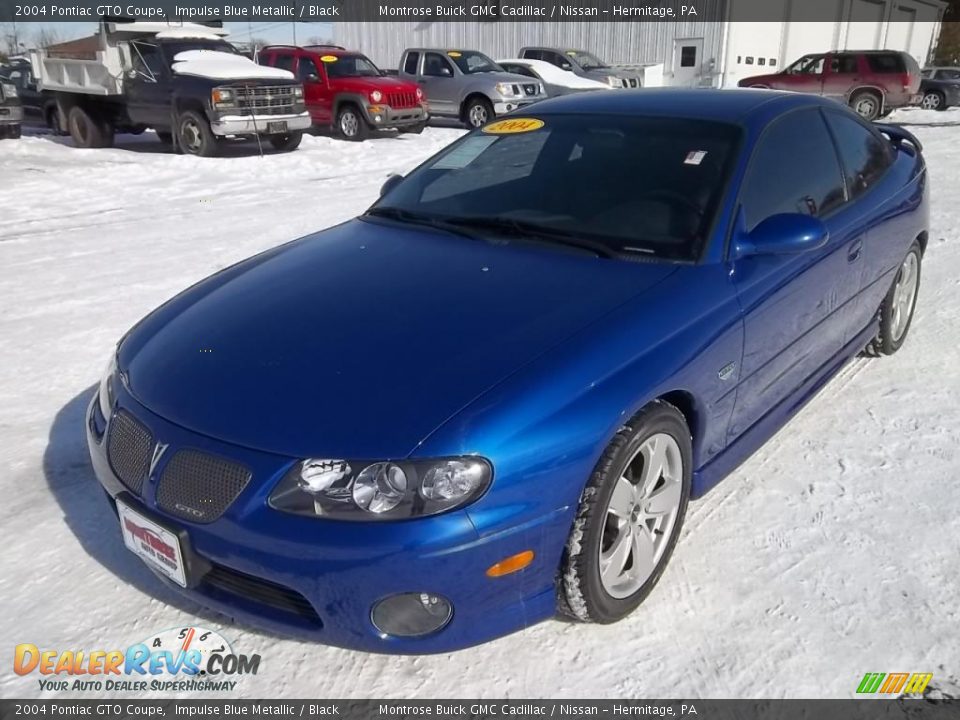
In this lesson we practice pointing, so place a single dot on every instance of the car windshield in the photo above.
(354, 65)
(613, 184)
(586, 60)
(471, 61)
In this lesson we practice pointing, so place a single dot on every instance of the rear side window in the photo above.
(532, 55)
(865, 155)
(410, 64)
(284, 62)
(844, 64)
(794, 169)
(948, 74)
(886, 63)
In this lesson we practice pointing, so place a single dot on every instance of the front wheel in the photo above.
(195, 136)
(896, 310)
(478, 113)
(351, 125)
(286, 143)
(629, 517)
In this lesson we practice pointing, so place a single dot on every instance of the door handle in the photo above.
(856, 249)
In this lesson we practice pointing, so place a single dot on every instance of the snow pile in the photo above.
(555, 76)
(224, 66)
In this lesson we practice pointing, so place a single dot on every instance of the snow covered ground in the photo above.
(833, 552)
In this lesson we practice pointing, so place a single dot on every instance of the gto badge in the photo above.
(158, 450)
(726, 372)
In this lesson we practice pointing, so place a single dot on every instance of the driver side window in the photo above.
(307, 70)
(436, 65)
(147, 60)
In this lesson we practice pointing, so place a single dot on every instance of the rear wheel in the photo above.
(286, 143)
(195, 136)
(867, 104)
(629, 517)
(933, 100)
(896, 311)
(351, 125)
(87, 131)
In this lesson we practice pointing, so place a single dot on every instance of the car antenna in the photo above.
(253, 117)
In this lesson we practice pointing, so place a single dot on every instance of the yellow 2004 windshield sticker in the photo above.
(513, 125)
(328, 58)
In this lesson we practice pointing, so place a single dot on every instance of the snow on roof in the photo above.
(224, 66)
(555, 76)
(177, 33)
(162, 27)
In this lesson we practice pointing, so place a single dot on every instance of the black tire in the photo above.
(86, 131)
(477, 112)
(933, 100)
(351, 125)
(194, 135)
(413, 129)
(286, 143)
(867, 104)
(893, 328)
(581, 592)
(52, 117)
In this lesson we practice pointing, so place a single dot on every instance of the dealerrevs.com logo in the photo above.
(175, 660)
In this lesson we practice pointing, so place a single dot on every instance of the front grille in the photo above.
(530, 89)
(265, 99)
(402, 100)
(261, 591)
(128, 450)
(199, 487)
(631, 82)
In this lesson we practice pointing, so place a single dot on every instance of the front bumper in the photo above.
(505, 106)
(11, 114)
(257, 124)
(385, 116)
(330, 574)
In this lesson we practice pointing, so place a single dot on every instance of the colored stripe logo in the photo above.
(894, 683)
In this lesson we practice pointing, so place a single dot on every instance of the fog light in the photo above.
(411, 614)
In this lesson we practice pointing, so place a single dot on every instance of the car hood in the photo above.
(361, 340)
(383, 83)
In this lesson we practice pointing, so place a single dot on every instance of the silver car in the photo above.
(585, 64)
(467, 85)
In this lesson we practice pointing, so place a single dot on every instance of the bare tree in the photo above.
(318, 40)
(46, 36)
(11, 38)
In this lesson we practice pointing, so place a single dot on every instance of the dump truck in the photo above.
(183, 80)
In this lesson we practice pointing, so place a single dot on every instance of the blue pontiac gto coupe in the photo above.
(490, 398)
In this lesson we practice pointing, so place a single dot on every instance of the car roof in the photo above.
(732, 106)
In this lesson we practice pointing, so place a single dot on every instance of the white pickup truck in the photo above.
(184, 80)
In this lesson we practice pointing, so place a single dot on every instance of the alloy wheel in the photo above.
(349, 124)
(190, 137)
(904, 296)
(478, 115)
(931, 101)
(641, 516)
(867, 107)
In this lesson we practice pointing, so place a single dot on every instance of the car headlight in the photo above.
(105, 395)
(223, 96)
(376, 96)
(9, 91)
(508, 89)
(419, 94)
(381, 490)
(298, 92)
(614, 81)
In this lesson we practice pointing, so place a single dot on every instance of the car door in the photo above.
(794, 305)
(865, 156)
(805, 75)
(440, 84)
(841, 73)
(147, 87)
(316, 90)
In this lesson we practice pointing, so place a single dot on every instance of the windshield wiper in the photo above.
(522, 228)
(406, 216)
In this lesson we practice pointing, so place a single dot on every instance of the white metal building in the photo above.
(714, 50)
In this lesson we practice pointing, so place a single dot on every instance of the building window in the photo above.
(761, 61)
(773, 61)
(688, 56)
(739, 59)
(749, 59)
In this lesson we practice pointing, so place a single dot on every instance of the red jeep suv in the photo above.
(345, 91)
(872, 82)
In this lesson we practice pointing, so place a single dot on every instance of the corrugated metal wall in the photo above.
(614, 42)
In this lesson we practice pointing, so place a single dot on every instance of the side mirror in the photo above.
(313, 77)
(390, 183)
(783, 234)
(566, 66)
(446, 72)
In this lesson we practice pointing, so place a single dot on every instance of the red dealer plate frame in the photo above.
(158, 547)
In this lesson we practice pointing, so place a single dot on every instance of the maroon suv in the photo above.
(872, 82)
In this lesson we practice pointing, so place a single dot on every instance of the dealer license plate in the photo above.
(155, 545)
(278, 126)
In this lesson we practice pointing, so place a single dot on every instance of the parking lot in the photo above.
(792, 553)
